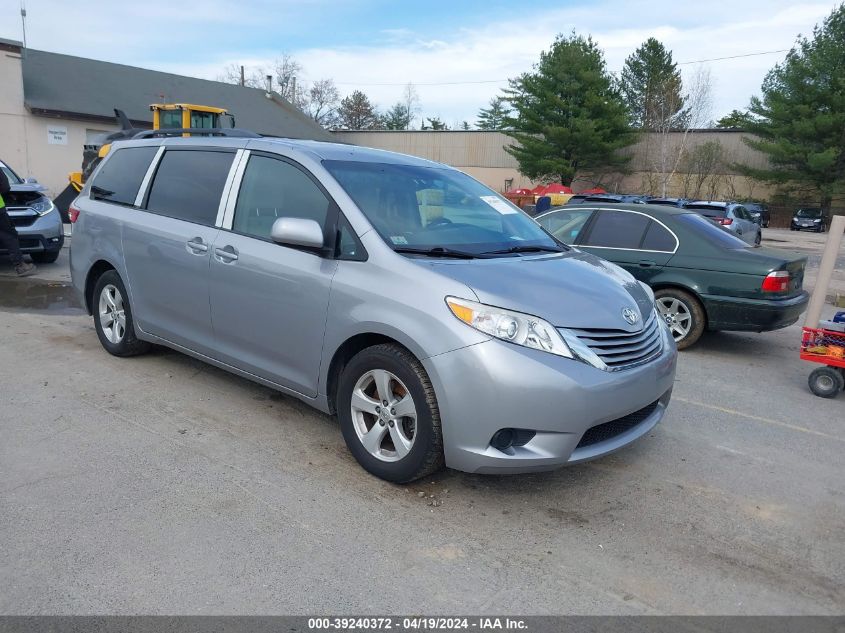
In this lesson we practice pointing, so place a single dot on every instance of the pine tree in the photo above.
(357, 113)
(736, 119)
(652, 88)
(493, 117)
(568, 116)
(397, 118)
(799, 122)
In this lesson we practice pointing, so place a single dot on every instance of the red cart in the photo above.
(828, 348)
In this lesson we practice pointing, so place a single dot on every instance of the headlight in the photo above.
(42, 206)
(522, 329)
(817, 220)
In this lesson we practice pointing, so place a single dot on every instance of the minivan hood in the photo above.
(572, 289)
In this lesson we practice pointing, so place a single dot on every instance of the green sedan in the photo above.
(703, 277)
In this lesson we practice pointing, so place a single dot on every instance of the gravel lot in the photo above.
(162, 485)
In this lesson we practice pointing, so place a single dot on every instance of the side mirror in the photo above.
(30, 181)
(297, 232)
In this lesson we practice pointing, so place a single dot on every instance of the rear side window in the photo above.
(658, 238)
(711, 232)
(617, 229)
(120, 176)
(188, 185)
(273, 189)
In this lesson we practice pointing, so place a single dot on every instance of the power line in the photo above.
(718, 59)
(496, 81)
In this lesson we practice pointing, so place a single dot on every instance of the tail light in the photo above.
(777, 281)
(725, 221)
(72, 213)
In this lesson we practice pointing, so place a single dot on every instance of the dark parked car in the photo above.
(731, 215)
(758, 211)
(667, 202)
(703, 277)
(810, 219)
(613, 198)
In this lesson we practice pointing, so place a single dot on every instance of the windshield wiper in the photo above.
(526, 249)
(437, 251)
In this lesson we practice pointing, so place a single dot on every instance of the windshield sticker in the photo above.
(500, 205)
(398, 239)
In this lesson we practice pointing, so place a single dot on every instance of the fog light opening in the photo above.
(502, 439)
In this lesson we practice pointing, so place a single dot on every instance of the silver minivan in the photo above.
(435, 319)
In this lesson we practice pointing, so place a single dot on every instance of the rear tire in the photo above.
(395, 447)
(683, 314)
(826, 382)
(113, 317)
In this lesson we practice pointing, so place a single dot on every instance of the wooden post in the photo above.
(831, 252)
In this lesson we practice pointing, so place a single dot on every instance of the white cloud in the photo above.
(500, 48)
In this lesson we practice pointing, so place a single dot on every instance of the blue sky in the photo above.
(370, 43)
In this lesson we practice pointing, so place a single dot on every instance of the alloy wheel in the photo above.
(112, 314)
(384, 415)
(677, 316)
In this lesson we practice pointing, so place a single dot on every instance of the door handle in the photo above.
(646, 263)
(196, 246)
(226, 255)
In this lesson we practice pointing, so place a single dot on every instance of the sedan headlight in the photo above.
(817, 220)
(522, 329)
(42, 206)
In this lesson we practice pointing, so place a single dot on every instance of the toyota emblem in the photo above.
(630, 315)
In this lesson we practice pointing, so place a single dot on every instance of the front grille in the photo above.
(609, 430)
(620, 349)
(22, 220)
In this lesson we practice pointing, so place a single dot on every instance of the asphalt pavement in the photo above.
(159, 484)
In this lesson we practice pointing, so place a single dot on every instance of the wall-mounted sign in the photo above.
(57, 135)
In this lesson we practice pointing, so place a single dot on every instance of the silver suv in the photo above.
(435, 319)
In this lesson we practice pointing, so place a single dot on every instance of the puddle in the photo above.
(33, 295)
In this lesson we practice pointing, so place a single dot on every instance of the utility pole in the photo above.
(242, 77)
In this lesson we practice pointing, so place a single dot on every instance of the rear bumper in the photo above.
(753, 315)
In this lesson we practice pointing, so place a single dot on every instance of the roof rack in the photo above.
(198, 131)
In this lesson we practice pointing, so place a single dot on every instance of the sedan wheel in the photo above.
(683, 315)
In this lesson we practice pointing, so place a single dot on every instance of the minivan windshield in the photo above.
(809, 213)
(438, 212)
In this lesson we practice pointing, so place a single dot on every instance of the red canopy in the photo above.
(543, 190)
(593, 191)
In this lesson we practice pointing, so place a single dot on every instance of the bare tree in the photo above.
(232, 75)
(411, 101)
(700, 170)
(667, 144)
(323, 100)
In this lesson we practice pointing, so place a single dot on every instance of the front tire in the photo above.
(683, 314)
(45, 257)
(826, 382)
(113, 317)
(388, 414)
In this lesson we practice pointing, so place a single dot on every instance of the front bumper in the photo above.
(37, 234)
(753, 315)
(495, 385)
(817, 226)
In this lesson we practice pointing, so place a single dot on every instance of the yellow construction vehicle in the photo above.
(166, 116)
